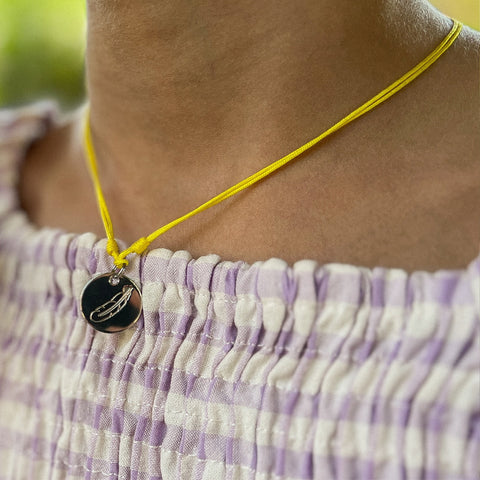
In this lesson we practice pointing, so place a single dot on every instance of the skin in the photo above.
(188, 98)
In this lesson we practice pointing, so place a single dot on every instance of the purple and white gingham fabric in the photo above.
(234, 371)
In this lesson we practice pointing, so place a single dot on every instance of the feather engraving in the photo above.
(115, 305)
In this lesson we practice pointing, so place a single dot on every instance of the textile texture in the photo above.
(234, 371)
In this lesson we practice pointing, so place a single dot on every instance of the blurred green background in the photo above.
(42, 46)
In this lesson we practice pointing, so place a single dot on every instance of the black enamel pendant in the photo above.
(111, 302)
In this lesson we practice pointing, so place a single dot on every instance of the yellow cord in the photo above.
(141, 245)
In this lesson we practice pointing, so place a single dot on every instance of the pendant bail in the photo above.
(115, 276)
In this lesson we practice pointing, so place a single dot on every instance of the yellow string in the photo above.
(141, 245)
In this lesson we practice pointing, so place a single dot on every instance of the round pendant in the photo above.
(111, 302)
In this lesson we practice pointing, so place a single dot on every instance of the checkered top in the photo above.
(234, 371)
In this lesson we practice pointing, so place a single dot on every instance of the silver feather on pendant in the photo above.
(115, 305)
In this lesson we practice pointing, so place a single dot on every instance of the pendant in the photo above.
(111, 302)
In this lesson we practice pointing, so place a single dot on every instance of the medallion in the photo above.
(111, 302)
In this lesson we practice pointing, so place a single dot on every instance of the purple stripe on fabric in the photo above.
(433, 351)
(327, 407)
(165, 379)
(296, 464)
(474, 427)
(201, 446)
(189, 277)
(289, 287)
(444, 291)
(98, 416)
(150, 377)
(378, 292)
(246, 393)
(140, 429)
(231, 281)
(118, 420)
(191, 378)
(127, 373)
(72, 254)
(159, 431)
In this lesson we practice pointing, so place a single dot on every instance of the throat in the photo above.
(245, 83)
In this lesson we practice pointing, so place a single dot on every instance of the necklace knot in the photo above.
(112, 248)
(139, 246)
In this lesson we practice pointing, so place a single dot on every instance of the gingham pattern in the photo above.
(234, 371)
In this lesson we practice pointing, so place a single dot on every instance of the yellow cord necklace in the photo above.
(112, 302)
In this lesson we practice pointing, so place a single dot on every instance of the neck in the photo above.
(194, 86)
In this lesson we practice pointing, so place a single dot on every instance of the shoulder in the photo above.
(22, 125)
(468, 45)
(20, 128)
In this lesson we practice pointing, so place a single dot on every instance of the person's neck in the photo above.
(193, 87)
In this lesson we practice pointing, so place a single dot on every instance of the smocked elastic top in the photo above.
(234, 370)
